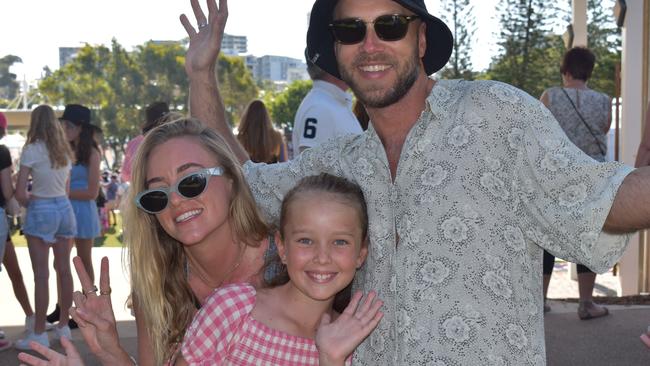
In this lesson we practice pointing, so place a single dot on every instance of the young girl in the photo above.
(49, 220)
(321, 243)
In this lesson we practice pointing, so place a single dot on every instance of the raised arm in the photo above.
(206, 103)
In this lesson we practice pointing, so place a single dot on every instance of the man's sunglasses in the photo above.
(156, 199)
(387, 27)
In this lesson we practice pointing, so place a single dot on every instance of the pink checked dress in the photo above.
(223, 332)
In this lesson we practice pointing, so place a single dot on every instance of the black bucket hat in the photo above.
(79, 116)
(320, 41)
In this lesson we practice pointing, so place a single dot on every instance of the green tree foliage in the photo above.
(604, 39)
(118, 85)
(283, 105)
(533, 63)
(164, 73)
(237, 86)
(8, 84)
(525, 40)
(459, 15)
(107, 81)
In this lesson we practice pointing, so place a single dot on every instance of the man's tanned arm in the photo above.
(631, 208)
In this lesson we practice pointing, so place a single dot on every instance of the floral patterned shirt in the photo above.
(485, 181)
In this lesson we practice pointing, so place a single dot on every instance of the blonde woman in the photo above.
(49, 221)
(190, 226)
(263, 143)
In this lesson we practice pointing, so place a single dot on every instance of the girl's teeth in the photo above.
(322, 277)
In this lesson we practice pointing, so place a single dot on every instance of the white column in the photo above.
(631, 123)
(579, 22)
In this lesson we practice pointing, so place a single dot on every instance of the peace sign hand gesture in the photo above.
(93, 313)
(205, 43)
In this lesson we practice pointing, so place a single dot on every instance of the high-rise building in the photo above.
(234, 45)
(278, 68)
(251, 65)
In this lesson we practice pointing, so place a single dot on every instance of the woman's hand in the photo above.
(52, 357)
(93, 313)
(337, 340)
(205, 44)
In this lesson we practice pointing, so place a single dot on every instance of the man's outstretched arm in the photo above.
(206, 103)
(631, 208)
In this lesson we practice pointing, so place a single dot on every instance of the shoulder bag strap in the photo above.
(602, 150)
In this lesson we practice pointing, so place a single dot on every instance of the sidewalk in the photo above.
(609, 341)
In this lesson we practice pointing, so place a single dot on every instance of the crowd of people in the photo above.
(418, 228)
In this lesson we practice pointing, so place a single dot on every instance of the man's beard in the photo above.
(371, 98)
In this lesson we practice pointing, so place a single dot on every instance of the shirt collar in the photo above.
(333, 90)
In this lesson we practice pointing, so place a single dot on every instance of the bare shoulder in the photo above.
(266, 306)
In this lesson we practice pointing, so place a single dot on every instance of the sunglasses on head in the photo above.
(192, 185)
(387, 27)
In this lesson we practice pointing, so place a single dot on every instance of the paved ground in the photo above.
(609, 341)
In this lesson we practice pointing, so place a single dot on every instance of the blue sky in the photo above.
(34, 29)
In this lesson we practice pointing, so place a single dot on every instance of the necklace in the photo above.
(225, 277)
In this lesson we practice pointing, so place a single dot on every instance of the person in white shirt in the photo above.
(49, 221)
(326, 112)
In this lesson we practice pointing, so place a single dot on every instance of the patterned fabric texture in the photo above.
(486, 179)
(594, 108)
(225, 333)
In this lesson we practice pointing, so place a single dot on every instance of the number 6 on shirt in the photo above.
(310, 128)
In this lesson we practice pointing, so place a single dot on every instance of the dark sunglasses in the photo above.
(156, 199)
(387, 27)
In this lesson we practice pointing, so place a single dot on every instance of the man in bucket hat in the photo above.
(466, 183)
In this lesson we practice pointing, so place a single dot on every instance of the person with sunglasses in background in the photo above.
(466, 184)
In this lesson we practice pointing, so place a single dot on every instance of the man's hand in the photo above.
(205, 43)
(206, 103)
(337, 340)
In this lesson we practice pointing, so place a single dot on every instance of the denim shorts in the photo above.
(50, 218)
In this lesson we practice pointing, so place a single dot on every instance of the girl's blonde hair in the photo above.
(44, 126)
(257, 135)
(157, 261)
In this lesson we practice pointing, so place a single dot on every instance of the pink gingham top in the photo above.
(223, 332)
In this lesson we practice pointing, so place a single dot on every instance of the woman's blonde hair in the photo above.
(257, 135)
(157, 261)
(44, 126)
